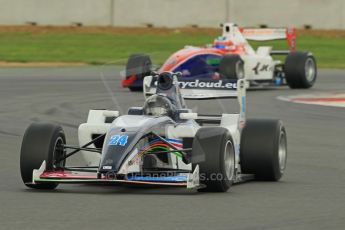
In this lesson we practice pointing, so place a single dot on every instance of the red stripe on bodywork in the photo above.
(182, 55)
(68, 175)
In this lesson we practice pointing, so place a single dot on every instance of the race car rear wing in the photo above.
(241, 35)
(271, 34)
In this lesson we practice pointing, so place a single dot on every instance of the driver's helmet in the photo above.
(222, 43)
(158, 105)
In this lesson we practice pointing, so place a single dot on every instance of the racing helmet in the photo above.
(158, 105)
(222, 43)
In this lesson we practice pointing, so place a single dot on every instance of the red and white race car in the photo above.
(232, 57)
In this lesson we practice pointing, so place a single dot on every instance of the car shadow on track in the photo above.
(82, 189)
(113, 190)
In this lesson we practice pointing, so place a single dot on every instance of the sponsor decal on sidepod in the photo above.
(207, 84)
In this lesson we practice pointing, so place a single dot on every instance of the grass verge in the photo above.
(98, 45)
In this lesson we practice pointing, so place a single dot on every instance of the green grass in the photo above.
(98, 48)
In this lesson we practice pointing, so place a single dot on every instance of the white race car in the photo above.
(161, 143)
(232, 57)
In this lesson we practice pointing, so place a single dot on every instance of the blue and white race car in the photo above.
(161, 143)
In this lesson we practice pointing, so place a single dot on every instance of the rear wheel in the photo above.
(231, 67)
(300, 70)
(138, 66)
(41, 142)
(218, 168)
(263, 149)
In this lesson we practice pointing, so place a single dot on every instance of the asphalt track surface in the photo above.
(309, 196)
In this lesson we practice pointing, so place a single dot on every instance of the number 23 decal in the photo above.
(118, 140)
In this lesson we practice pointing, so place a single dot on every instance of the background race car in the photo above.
(232, 57)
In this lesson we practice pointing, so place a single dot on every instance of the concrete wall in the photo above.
(318, 13)
(55, 12)
(172, 13)
(175, 13)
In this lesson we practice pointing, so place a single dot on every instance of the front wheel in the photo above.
(263, 150)
(231, 67)
(217, 170)
(138, 66)
(41, 142)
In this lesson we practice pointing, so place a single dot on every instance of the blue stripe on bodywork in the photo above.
(173, 140)
(179, 178)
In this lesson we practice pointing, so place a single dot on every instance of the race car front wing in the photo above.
(170, 178)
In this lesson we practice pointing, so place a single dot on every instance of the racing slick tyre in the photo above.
(139, 66)
(231, 67)
(217, 171)
(300, 70)
(41, 142)
(263, 149)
